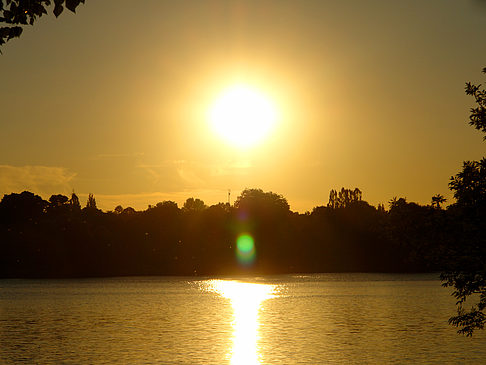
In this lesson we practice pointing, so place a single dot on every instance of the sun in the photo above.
(242, 116)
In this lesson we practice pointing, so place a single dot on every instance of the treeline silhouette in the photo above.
(58, 238)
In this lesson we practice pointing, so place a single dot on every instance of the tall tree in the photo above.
(466, 260)
(74, 202)
(344, 198)
(91, 202)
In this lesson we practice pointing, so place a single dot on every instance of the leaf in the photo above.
(10, 32)
(72, 4)
(58, 9)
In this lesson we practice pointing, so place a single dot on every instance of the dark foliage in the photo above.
(466, 251)
(477, 118)
(57, 238)
(344, 198)
(465, 248)
(16, 13)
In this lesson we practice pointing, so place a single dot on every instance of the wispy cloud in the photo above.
(142, 200)
(119, 155)
(191, 174)
(177, 174)
(174, 180)
(231, 168)
(43, 180)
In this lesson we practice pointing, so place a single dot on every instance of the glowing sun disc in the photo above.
(242, 116)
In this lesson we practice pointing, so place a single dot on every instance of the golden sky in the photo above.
(115, 99)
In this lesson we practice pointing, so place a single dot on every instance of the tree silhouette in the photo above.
(58, 200)
(58, 239)
(466, 270)
(23, 207)
(91, 202)
(393, 202)
(194, 205)
(16, 13)
(344, 198)
(129, 211)
(167, 204)
(469, 185)
(466, 253)
(477, 118)
(74, 202)
(257, 198)
(437, 200)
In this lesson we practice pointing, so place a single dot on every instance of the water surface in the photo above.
(309, 319)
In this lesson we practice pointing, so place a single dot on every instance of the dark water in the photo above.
(309, 319)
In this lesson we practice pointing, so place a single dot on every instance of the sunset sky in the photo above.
(116, 99)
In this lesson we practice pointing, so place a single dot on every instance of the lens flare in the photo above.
(245, 249)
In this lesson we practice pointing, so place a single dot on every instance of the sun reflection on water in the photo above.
(246, 299)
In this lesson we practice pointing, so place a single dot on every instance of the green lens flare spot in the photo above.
(245, 243)
(245, 249)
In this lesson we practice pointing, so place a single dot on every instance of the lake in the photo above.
(287, 319)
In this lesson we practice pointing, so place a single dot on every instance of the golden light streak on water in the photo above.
(246, 300)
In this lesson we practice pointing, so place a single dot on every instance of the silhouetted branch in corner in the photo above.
(16, 13)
